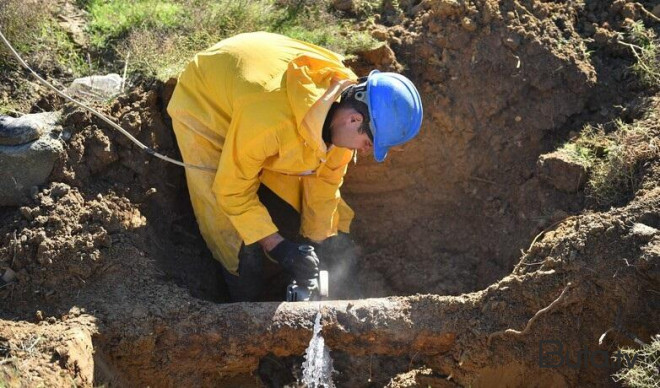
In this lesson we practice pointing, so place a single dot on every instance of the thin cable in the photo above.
(143, 147)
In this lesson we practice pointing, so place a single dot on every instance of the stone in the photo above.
(29, 147)
(26, 165)
(344, 5)
(27, 128)
(9, 275)
(643, 232)
(562, 171)
(380, 33)
(381, 56)
(468, 24)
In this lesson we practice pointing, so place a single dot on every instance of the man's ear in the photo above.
(356, 117)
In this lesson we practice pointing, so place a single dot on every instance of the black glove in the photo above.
(299, 260)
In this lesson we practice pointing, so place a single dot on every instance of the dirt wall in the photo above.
(451, 211)
(165, 337)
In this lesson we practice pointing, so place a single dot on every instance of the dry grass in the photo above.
(33, 30)
(615, 176)
(644, 44)
(614, 154)
(646, 370)
(22, 22)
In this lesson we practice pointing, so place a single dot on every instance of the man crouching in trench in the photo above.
(280, 119)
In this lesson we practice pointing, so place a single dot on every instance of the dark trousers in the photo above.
(261, 279)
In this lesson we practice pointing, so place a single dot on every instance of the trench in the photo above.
(417, 232)
(437, 227)
(446, 214)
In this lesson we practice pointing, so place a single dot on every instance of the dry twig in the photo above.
(123, 78)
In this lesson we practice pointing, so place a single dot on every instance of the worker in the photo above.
(280, 120)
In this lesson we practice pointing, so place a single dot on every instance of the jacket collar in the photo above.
(313, 84)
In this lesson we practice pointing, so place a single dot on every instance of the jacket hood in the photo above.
(313, 84)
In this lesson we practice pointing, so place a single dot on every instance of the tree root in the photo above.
(648, 13)
(532, 320)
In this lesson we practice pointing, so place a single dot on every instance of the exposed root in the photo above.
(538, 236)
(532, 320)
(648, 13)
(546, 230)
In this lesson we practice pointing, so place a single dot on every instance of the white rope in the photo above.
(143, 147)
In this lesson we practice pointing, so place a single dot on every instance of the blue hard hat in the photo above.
(395, 108)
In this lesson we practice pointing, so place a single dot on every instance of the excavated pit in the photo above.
(448, 215)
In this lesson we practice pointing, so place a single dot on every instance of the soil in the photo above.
(458, 229)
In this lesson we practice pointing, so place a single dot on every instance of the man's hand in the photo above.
(301, 263)
(270, 242)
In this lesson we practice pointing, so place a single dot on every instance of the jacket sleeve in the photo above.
(320, 217)
(245, 150)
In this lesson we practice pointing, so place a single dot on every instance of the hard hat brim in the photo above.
(380, 153)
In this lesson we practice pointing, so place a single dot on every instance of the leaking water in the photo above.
(317, 368)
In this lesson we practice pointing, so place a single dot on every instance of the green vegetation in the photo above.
(613, 158)
(644, 47)
(21, 23)
(578, 153)
(32, 30)
(645, 373)
(112, 19)
(157, 38)
(57, 44)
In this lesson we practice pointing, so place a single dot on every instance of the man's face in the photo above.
(345, 130)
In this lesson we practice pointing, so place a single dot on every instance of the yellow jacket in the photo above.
(253, 106)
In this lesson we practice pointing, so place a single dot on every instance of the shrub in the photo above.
(645, 373)
(644, 47)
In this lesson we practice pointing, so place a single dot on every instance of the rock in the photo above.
(381, 56)
(643, 231)
(29, 147)
(468, 24)
(656, 10)
(603, 36)
(343, 5)
(96, 87)
(380, 33)
(27, 128)
(26, 165)
(629, 11)
(9, 275)
(562, 171)
(26, 213)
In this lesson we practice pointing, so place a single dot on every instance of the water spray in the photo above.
(318, 367)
